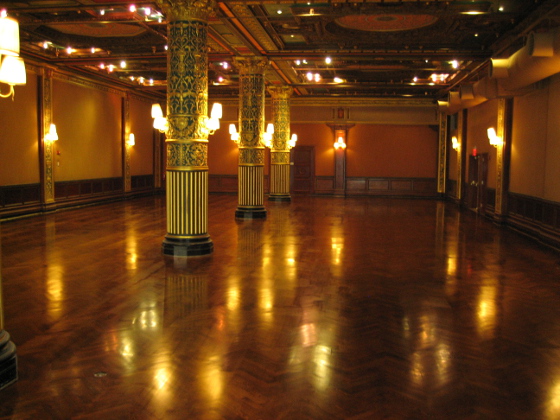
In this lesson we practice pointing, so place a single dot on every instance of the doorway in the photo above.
(477, 180)
(302, 174)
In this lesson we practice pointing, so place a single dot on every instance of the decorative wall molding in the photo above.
(400, 187)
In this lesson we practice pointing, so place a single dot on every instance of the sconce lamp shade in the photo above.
(52, 135)
(455, 143)
(216, 112)
(270, 128)
(12, 71)
(232, 129)
(339, 143)
(156, 111)
(131, 139)
(213, 124)
(9, 37)
(494, 139)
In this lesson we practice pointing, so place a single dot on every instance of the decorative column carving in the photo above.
(502, 159)
(8, 356)
(442, 154)
(125, 145)
(251, 130)
(187, 135)
(46, 147)
(461, 124)
(280, 151)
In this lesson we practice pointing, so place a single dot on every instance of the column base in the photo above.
(8, 360)
(250, 213)
(187, 247)
(282, 198)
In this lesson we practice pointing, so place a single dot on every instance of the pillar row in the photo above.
(251, 131)
(187, 135)
(280, 151)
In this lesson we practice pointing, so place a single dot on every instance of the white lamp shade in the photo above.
(9, 37)
(213, 124)
(216, 112)
(294, 137)
(52, 135)
(156, 111)
(270, 128)
(131, 139)
(232, 129)
(12, 71)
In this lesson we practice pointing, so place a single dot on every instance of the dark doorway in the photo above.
(478, 177)
(303, 169)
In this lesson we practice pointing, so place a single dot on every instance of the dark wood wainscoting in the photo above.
(222, 183)
(451, 189)
(400, 187)
(20, 199)
(535, 217)
(142, 182)
(86, 191)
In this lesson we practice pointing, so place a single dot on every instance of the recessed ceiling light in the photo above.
(279, 11)
(328, 60)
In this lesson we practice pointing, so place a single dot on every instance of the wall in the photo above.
(19, 135)
(392, 151)
(89, 125)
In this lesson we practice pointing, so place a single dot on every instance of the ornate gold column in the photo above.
(251, 130)
(280, 151)
(187, 135)
(442, 154)
(125, 144)
(461, 124)
(46, 147)
(502, 159)
(8, 356)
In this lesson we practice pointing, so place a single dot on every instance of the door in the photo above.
(478, 177)
(302, 174)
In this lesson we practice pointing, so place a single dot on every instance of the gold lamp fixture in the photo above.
(12, 67)
(211, 123)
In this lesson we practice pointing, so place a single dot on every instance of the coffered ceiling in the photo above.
(376, 48)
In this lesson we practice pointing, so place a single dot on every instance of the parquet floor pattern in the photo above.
(331, 308)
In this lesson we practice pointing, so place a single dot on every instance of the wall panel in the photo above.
(89, 125)
(142, 153)
(19, 135)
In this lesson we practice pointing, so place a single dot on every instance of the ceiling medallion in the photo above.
(385, 22)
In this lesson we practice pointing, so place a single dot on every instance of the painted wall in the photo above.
(391, 151)
(322, 138)
(19, 135)
(142, 154)
(89, 124)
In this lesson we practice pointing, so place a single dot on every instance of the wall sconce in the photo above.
(211, 124)
(52, 135)
(131, 140)
(12, 67)
(160, 122)
(339, 143)
(293, 140)
(455, 143)
(493, 138)
(233, 133)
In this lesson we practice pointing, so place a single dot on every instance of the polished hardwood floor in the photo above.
(331, 308)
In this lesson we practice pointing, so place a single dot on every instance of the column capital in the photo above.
(280, 91)
(251, 65)
(176, 10)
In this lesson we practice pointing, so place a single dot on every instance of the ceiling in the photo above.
(377, 48)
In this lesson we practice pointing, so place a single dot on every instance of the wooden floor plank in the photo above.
(331, 308)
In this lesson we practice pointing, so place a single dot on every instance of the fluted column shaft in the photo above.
(280, 151)
(442, 154)
(187, 135)
(251, 131)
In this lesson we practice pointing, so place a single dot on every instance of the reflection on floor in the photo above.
(330, 308)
